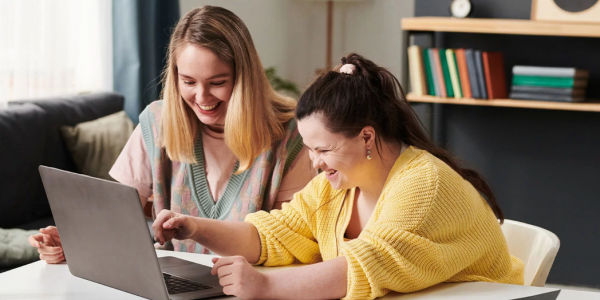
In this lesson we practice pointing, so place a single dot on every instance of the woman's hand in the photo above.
(48, 244)
(169, 225)
(239, 278)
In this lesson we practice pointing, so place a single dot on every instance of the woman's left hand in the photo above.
(239, 278)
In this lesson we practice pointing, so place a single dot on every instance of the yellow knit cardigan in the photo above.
(429, 226)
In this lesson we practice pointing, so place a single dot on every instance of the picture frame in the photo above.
(586, 11)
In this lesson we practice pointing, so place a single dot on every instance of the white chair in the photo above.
(535, 246)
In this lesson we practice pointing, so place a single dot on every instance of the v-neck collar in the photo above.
(207, 207)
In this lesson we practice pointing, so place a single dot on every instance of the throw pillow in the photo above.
(95, 145)
(15, 249)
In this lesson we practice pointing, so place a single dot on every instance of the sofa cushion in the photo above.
(72, 110)
(15, 249)
(24, 140)
(95, 145)
(30, 137)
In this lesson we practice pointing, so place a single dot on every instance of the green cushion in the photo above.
(15, 249)
(95, 145)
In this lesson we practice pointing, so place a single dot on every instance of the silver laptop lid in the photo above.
(119, 253)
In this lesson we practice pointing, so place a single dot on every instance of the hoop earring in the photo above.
(369, 154)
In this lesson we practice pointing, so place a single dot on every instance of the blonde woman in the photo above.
(221, 144)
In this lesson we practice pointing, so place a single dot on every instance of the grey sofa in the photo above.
(29, 137)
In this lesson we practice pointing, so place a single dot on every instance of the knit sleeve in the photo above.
(402, 251)
(286, 235)
(386, 259)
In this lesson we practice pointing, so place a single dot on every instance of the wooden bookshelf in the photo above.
(500, 26)
(585, 106)
(503, 26)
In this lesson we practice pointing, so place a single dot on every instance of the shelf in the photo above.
(586, 106)
(501, 26)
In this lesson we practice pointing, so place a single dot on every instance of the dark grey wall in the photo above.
(500, 9)
(543, 165)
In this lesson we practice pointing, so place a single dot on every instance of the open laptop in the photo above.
(105, 238)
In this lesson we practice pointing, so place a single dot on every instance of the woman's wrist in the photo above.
(198, 233)
(268, 289)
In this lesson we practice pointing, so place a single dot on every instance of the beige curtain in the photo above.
(54, 47)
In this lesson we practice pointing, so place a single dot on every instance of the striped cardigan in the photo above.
(182, 187)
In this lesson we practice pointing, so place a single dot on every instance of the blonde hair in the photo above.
(256, 113)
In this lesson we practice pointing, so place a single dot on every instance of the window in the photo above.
(54, 47)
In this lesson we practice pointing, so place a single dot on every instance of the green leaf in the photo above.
(279, 84)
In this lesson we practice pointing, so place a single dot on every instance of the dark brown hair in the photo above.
(372, 96)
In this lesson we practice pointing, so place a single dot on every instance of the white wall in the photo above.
(291, 34)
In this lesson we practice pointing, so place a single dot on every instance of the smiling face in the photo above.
(342, 159)
(205, 83)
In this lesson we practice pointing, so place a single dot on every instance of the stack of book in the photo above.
(457, 73)
(549, 84)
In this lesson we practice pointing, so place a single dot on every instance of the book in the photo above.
(422, 71)
(438, 72)
(495, 78)
(548, 90)
(432, 63)
(558, 82)
(446, 73)
(546, 97)
(458, 76)
(550, 72)
(470, 56)
(417, 77)
(428, 74)
(480, 75)
(454, 79)
(463, 71)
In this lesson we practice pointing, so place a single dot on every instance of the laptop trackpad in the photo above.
(192, 272)
(187, 269)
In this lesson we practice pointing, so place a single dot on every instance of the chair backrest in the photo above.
(535, 246)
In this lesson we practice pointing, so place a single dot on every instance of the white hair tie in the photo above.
(348, 69)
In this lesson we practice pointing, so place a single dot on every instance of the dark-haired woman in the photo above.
(390, 212)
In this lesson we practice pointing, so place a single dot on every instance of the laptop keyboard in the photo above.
(178, 285)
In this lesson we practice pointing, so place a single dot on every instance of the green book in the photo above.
(428, 75)
(446, 72)
(458, 75)
(559, 82)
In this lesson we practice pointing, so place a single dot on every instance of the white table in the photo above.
(41, 281)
